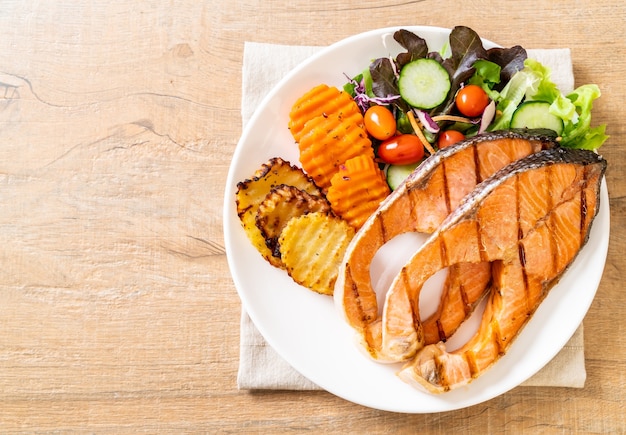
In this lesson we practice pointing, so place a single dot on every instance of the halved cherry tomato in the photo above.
(471, 100)
(380, 122)
(449, 137)
(403, 149)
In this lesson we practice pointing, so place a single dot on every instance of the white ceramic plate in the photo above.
(305, 328)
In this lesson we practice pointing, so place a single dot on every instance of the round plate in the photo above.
(305, 328)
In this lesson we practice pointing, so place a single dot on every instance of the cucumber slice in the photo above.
(396, 174)
(536, 114)
(424, 83)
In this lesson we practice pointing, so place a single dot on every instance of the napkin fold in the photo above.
(260, 366)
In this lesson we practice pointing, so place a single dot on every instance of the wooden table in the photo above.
(117, 125)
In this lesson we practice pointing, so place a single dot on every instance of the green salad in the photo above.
(463, 90)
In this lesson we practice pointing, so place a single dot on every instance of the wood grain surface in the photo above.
(118, 121)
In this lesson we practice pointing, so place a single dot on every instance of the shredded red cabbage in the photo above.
(364, 101)
(429, 124)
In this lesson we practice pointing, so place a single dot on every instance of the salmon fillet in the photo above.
(529, 220)
(420, 204)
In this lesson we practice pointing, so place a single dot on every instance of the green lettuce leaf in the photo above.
(487, 76)
(533, 83)
(547, 91)
(578, 132)
(512, 95)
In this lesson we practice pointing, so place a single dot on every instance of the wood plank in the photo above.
(117, 126)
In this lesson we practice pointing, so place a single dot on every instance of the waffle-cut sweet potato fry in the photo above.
(330, 142)
(281, 205)
(312, 246)
(357, 190)
(251, 192)
(321, 100)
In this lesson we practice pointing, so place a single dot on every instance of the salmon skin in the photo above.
(529, 220)
(420, 204)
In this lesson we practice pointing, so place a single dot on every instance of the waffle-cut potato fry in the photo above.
(330, 141)
(281, 205)
(321, 100)
(312, 247)
(251, 192)
(357, 190)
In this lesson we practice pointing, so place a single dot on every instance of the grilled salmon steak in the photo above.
(420, 204)
(529, 220)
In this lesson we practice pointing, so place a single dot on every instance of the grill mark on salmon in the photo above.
(583, 210)
(420, 205)
(458, 300)
(464, 298)
(521, 281)
(477, 176)
(446, 190)
(521, 252)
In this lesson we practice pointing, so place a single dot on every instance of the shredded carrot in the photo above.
(452, 118)
(357, 190)
(418, 131)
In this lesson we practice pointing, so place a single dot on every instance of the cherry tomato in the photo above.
(449, 137)
(380, 122)
(471, 100)
(403, 149)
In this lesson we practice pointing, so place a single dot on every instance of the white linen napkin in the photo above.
(260, 367)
